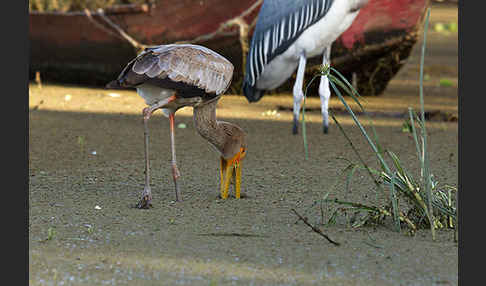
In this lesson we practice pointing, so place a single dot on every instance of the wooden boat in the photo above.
(91, 47)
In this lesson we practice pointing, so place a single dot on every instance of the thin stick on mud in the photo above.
(315, 229)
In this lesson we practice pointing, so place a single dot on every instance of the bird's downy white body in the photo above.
(310, 43)
(152, 94)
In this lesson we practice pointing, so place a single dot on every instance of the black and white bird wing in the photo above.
(279, 24)
(178, 67)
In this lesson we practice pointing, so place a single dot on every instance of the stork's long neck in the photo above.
(208, 127)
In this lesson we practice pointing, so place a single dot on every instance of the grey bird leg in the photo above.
(146, 198)
(298, 93)
(325, 92)
(175, 171)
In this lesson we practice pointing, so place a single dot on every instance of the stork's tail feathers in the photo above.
(115, 84)
(251, 93)
(118, 84)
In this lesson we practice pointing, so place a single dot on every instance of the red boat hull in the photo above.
(76, 48)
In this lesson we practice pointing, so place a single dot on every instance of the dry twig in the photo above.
(315, 229)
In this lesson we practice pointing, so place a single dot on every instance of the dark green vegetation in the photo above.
(427, 203)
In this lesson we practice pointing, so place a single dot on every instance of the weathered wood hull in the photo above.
(83, 47)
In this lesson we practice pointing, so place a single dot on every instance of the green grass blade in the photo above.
(347, 89)
(422, 57)
(354, 91)
(370, 172)
(394, 199)
(355, 205)
(350, 176)
(414, 132)
(426, 171)
(363, 131)
(351, 91)
(401, 172)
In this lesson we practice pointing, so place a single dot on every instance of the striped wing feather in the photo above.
(192, 65)
(279, 24)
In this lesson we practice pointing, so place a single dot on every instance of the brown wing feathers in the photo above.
(192, 65)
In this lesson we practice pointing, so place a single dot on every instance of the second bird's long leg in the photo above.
(298, 93)
(145, 200)
(175, 171)
(325, 92)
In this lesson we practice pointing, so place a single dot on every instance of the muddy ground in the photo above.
(86, 173)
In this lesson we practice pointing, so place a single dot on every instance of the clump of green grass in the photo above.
(406, 126)
(428, 205)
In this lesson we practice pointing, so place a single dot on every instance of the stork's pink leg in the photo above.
(145, 200)
(175, 171)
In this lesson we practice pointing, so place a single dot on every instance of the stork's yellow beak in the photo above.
(231, 169)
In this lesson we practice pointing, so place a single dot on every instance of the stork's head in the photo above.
(235, 147)
(228, 139)
(232, 154)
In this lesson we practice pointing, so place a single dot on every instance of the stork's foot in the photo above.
(144, 203)
(295, 128)
(175, 175)
(325, 129)
(146, 200)
(242, 196)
